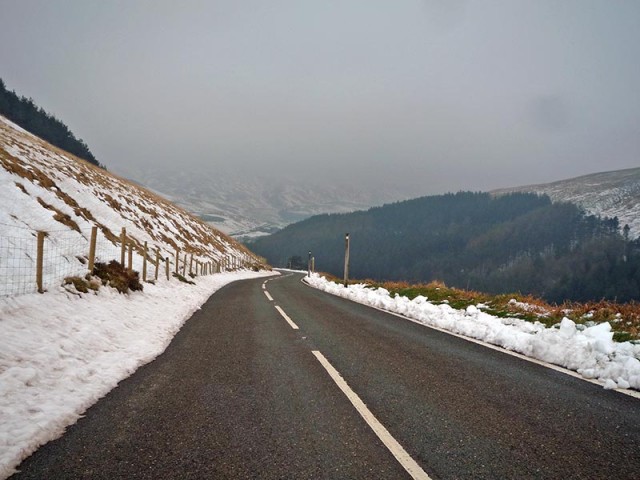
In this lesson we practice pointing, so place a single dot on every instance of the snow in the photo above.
(589, 351)
(62, 351)
(112, 203)
(605, 194)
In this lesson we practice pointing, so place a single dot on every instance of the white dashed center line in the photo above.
(286, 317)
(268, 296)
(408, 463)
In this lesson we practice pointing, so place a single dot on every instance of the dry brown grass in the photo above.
(60, 216)
(17, 167)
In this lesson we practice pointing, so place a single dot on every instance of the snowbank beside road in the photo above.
(589, 351)
(60, 352)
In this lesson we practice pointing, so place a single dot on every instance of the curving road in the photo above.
(246, 390)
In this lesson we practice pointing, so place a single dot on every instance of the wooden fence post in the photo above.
(130, 257)
(166, 262)
(184, 264)
(177, 260)
(144, 263)
(123, 243)
(40, 261)
(191, 266)
(157, 261)
(92, 248)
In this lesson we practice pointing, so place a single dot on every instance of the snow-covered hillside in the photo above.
(607, 194)
(44, 188)
(62, 350)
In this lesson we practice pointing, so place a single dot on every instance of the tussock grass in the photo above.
(183, 279)
(17, 167)
(60, 216)
(117, 276)
(83, 285)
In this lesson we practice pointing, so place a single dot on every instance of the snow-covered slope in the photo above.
(607, 194)
(43, 188)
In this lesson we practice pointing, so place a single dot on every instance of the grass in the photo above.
(623, 317)
(182, 278)
(60, 216)
(83, 285)
(117, 276)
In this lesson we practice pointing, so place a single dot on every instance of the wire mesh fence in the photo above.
(63, 256)
(17, 265)
(28, 267)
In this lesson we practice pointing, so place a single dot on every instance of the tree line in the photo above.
(24, 112)
(519, 242)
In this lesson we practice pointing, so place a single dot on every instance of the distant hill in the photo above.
(24, 112)
(512, 242)
(43, 188)
(246, 204)
(606, 194)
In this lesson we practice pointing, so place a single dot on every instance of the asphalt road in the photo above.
(239, 393)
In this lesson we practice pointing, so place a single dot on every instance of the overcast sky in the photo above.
(438, 95)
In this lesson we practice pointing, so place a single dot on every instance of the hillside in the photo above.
(498, 244)
(606, 194)
(249, 205)
(43, 188)
(63, 350)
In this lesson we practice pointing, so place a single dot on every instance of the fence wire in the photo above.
(18, 265)
(66, 254)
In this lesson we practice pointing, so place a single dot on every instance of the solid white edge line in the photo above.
(268, 296)
(557, 368)
(286, 317)
(408, 463)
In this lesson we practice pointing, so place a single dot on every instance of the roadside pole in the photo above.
(346, 259)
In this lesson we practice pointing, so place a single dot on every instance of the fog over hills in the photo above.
(246, 205)
(607, 194)
(249, 204)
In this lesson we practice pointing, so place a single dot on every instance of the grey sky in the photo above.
(437, 95)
